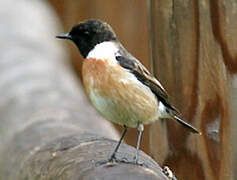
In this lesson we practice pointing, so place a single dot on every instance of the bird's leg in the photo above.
(140, 129)
(112, 157)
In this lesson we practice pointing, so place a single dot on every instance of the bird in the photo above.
(118, 85)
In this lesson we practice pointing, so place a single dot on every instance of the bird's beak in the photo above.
(64, 36)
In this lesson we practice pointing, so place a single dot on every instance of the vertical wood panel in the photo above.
(194, 54)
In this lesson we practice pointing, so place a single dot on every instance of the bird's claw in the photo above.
(137, 162)
(124, 160)
(112, 159)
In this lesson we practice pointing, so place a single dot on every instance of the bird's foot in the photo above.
(134, 161)
(137, 162)
(124, 160)
(112, 159)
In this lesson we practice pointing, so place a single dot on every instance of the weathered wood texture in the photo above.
(194, 53)
(45, 119)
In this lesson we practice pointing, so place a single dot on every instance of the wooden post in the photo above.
(194, 48)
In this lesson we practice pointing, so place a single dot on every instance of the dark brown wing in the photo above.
(144, 76)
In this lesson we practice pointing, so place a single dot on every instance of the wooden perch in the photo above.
(46, 121)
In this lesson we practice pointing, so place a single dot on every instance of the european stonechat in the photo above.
(117, 84)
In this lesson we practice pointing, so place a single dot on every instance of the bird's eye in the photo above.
(86, 33)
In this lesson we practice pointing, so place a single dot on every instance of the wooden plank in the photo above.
(194, 56)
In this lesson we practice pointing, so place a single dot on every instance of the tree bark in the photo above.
(194, 47)
(48, 129)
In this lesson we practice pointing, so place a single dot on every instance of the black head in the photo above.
(89, 33)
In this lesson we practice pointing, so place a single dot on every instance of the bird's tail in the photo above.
(186, 125)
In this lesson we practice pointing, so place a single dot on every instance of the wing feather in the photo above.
(144, 76)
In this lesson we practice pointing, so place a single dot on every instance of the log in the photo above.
(194, 56)
(48, 128)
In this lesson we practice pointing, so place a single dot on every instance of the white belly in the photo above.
(118, 95)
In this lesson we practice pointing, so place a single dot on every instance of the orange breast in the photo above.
(117, 94)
